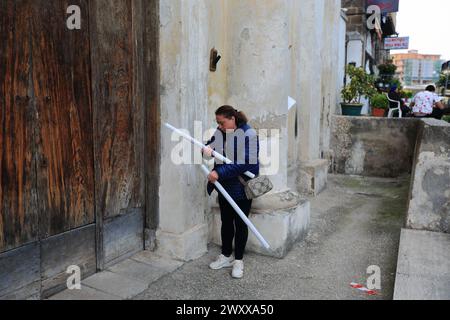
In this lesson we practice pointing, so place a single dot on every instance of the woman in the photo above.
(395, 95)
(233, 134)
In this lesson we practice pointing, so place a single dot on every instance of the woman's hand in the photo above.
(213, 177)
(207, 152)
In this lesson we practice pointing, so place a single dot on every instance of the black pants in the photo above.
(437, 114)
(233, 227)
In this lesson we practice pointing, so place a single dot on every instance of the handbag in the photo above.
(256, 187)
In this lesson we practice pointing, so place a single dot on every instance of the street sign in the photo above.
(386, 6)
(396, 43)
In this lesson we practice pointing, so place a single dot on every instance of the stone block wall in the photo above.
(429, 206)
(373, 147)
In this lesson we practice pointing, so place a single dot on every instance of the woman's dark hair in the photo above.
(229, 112)
(431, 88)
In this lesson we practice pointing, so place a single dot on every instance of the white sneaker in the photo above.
(222, 262)
(238, 269)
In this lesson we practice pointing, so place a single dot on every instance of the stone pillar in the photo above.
(332, 40)
(182, 232)
(259, 84)
(312, 169)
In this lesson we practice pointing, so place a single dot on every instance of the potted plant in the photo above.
(446, 118)
(379, 104)
(361, 84)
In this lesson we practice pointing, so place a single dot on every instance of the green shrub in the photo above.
(406, 94)
(361, 84)
(379, 101)
(446, 118)
(387, 68)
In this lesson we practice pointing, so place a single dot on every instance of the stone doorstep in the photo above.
(124, 280)
(281, 228)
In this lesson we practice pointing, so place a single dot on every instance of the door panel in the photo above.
(118, 119)
(61, 81)
(18, 207)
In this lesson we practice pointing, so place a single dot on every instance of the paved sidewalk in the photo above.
(355, 223)
(124, 280)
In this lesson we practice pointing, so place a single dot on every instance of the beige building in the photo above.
(415, 69)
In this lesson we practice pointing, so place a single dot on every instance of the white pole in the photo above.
(215, 154)
(238, 210)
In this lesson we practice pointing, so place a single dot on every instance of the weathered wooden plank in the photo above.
(19, 273)
(117, 160)
(18, 214)
(76, 247)
(123, 236)
(138, 88)
(118, 111)
(151, 101)
(61, 78)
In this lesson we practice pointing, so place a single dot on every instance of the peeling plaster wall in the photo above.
(429, 207)
(333, 62)
(218, 37)
(258, 36)
(184, 58)
(373, 147)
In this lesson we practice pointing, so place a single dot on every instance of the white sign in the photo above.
(291, 103)
(396, 43)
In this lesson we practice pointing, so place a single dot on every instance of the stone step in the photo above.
(281, 227)
(423, 269)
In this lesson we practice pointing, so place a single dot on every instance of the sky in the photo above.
(427, 23)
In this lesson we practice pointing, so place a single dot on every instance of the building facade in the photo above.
(88, 176)
(365, 37)
(415, 69)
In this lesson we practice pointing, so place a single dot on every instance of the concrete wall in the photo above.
(429, 206)
(373, 147)
(392, 147)
(333, 69)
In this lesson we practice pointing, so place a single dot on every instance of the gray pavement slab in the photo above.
(154, 260)
(123, 280)
(85, 293)
(139, 271)
(423, 271)
(115, 284)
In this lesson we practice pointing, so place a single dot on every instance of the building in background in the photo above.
(365, 41)
(444, 81)
(417, 70)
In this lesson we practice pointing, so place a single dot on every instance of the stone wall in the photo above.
(356, 16)
(429, 206)
(373, 147)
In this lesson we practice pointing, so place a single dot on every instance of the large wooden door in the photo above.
(73, 140)
(62, 87)
(46, 145)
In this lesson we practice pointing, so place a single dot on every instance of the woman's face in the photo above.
(226, 124)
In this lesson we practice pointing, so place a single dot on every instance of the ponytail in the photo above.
(229, 112)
